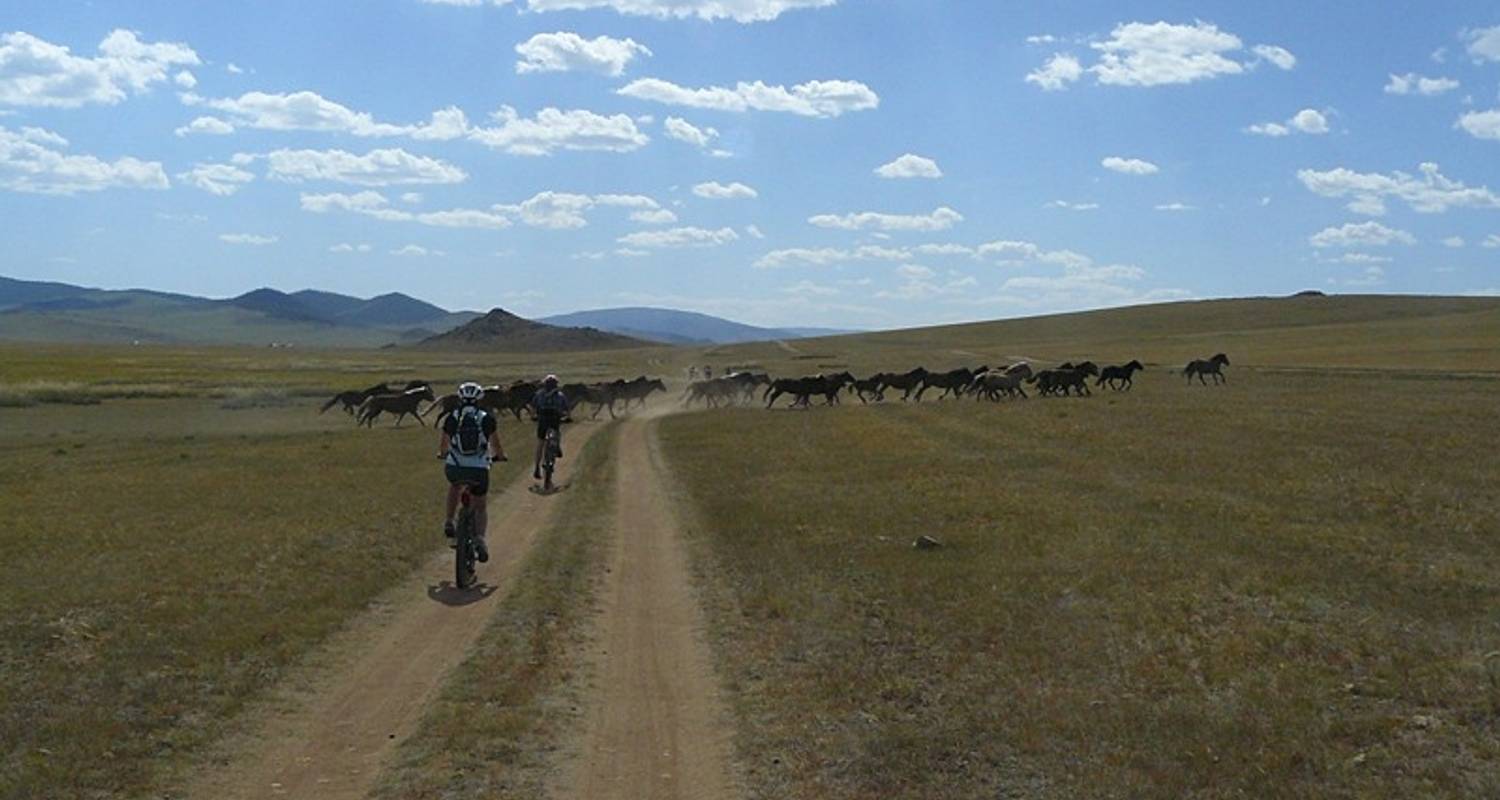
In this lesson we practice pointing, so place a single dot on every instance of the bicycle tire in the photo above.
(464, 576)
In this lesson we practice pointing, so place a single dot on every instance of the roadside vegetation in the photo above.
(163, 562)
(1280, 588)
(505, 710)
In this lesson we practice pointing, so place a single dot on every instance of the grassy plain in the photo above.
(1284, 587)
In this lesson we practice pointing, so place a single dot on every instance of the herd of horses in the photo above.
(367, 405)
(983, 383)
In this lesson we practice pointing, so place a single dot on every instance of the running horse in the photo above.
(1213, 366)
(403, 404)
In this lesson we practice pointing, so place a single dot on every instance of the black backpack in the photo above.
(469, 440)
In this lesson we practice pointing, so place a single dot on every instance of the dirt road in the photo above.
(654, 724)
(368, 689)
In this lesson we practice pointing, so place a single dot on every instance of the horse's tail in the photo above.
(330, 404)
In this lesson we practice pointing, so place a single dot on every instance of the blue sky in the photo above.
(864, 163)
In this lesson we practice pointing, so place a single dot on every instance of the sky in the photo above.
(844, 163)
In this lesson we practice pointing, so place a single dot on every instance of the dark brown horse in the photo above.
(952, 382)
(907, 382)
(1212, 366)
(352, 399)
(403, 404)
(1121, 375)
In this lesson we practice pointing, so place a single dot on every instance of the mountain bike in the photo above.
(465, 551)
(549, 459)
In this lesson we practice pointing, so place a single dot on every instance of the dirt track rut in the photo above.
(654, 723)
(373, 681)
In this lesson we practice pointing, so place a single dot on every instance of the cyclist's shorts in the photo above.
(478, 478)
(547, 422)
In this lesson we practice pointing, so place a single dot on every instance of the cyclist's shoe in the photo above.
(557, 451)
(448, 529)
(536, 472)
(481, 550)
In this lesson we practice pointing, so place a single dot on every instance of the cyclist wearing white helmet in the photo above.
(550, 406)
(467, 444)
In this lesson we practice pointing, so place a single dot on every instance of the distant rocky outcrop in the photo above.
(502, 330)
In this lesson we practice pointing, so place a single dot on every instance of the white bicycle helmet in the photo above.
(470, 392)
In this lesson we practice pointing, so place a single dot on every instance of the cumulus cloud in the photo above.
(737, 10)
(205, 125)
(1429, 193)
(564, 52)
(561, 210)
(251, 239)
(680, 237)
(217, 179)
(1481, 124)
(1059, 71)
(1129, 166)
(1308, 120)
(547, 209)
(812, 99)
(185, 79)
(910, 165)
(1161, 54)
(553, 129)
(296, 111)
(713, 190)
(416, 251)
(34, 72)
(1360, 234)
(1175, 207)
(1412, 83)
(684, 131)
(1453, 241)
(375, 204)
(940, 219)
(1064, 204)
(31, 162)
(1492, 241)
(655, 216)
(345, 247)
(389, 167)
(1484, 43)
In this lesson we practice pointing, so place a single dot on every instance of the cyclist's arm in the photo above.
(497, 450)
(442, 443)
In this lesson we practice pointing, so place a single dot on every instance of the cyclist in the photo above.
(467, 444)
(550, 406)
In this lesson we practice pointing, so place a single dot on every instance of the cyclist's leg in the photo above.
(541, 442)
(450, 507)
(479, 489)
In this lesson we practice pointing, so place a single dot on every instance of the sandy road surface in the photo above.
(654, 725)
(375, 679)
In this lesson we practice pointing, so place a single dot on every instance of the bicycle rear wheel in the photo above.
(463, 552)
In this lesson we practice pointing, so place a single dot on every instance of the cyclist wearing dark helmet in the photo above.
(467, 443)
(550, 406)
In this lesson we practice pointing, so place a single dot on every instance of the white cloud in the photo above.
(1280, 57)
(737, 10)
(251, 239)
(1175, 207)
(416, 251)
(713, 190)
(209, 125)
(1129, 166)
(1492, 241)
(1157, 54)
(34, 72)
(1161, 54)
(1361, 258)
(1453, 241)
(1274, 129)
(564, 210)
(345, 247)
(1064, 204)
(298, 111)
(1360, 234)
(940, 219)
(1484, 43)
(1041, 38)
(754, 232)
(1481, 124)
(185, 79)
(910, 165)
(684, 131)
(564, 52)
(413, 198)
(234, 69)
(1309, 120)
(388, 167)
(1431, 193)
(627, 252)
(811, 99)
(1412, 82)
(1059, 71)
(809, 289)
(28, 163)
(680, 237)
(656, 216)
(553, 129)
(217, 179)
(375, 204)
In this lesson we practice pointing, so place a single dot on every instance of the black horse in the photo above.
(1212, 366)
(1119, 375)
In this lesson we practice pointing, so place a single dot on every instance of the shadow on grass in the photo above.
(449, 595)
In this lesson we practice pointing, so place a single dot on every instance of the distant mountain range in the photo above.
(45, 311)
(680, 327)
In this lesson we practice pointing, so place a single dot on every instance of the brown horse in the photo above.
(352, 399)
(399, 404)
(1212, 366)
(1122, 374)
